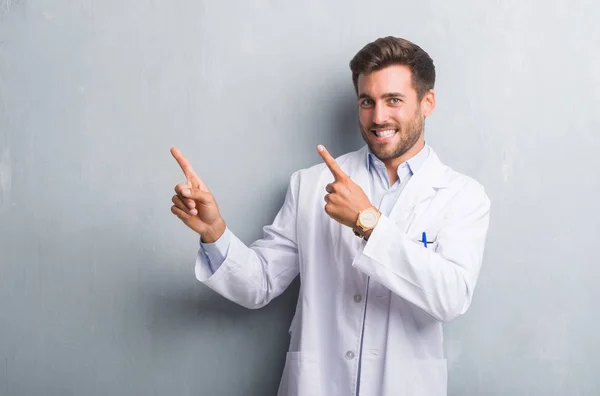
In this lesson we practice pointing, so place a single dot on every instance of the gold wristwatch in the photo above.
(367, 220)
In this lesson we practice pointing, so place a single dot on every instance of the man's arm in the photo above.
(250, 276)
(441, 283)
(254, 275)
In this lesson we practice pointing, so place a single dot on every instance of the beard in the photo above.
(408, 137)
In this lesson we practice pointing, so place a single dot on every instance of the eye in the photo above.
(395, 101)
(367, 103)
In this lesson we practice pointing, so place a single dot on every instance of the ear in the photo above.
(428, 103)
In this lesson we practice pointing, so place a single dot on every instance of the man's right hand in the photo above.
(195, 205)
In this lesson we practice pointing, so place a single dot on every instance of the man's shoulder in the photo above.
(452, 177)
(448, 177)
(459, 182)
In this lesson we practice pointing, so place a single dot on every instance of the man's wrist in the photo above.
(365, 232)
(214, 232)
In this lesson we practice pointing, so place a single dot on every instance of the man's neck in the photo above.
(391, 165)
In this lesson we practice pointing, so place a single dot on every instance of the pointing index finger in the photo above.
(187, 169)
(333, 166)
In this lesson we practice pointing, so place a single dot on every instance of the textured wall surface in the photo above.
(97, 291)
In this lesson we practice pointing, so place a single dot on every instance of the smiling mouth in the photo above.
(382, 134)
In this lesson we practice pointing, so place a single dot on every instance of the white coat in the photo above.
(400, 290)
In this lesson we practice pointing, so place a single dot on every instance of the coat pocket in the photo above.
(427, 237)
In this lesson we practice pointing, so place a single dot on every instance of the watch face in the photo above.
(368, 218)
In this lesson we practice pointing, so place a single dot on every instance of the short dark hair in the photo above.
(387, 51)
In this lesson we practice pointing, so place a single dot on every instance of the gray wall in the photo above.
(97, 293)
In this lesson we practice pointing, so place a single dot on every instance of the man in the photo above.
(391, 252)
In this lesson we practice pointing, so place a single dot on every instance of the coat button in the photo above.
(357, 298)
(349, 355)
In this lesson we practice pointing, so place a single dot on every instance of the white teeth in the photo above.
(386, 133)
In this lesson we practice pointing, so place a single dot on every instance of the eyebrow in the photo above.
(384, 96)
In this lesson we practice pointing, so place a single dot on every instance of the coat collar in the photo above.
(431, 174)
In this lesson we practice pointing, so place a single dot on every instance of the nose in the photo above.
(380, 114)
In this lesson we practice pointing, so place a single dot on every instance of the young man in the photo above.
(388, 242)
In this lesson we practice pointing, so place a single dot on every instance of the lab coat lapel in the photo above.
(421, 187)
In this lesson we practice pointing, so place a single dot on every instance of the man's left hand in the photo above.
(345, 199)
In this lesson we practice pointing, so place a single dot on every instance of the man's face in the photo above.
(390, 115)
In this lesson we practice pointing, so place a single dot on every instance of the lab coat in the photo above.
(372, 308)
